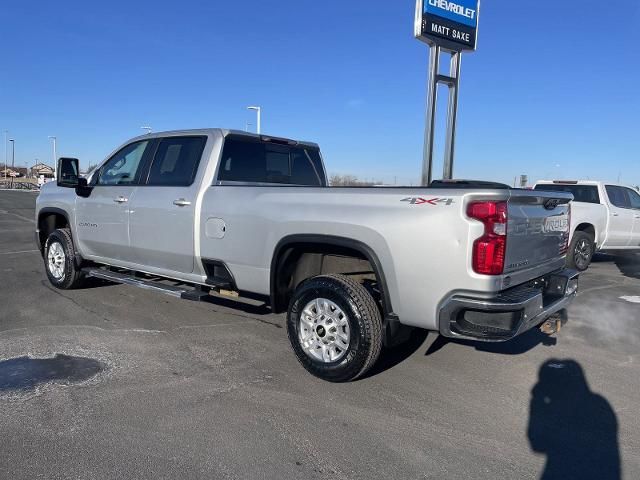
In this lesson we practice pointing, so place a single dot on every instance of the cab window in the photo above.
(581, 193)
(123, 168)
(634, 198)
(248, 160)
(618, 196)
(176, 161)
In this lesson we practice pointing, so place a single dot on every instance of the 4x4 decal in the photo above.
(427, 201)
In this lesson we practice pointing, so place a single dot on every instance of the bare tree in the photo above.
(337, 180)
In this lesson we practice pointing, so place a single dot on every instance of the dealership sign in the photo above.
(452, 24)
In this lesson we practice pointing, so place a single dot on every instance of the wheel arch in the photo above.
(587, 228)
(50, 219)
(289, 244)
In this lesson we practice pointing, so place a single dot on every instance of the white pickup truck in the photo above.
(604, 217)
(226, 210)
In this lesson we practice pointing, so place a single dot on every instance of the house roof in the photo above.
(42, 166)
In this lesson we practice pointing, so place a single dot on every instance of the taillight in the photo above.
(489, 250)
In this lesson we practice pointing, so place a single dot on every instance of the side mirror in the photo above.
(83, 189)
(68, 172)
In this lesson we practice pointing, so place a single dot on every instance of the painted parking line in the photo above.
(631, 299)
(30, 220)
(18, 252)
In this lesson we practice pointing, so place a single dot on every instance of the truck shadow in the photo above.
(519, 345)
(574, 427)
(238, 304)
(390, 357)
(628, 264)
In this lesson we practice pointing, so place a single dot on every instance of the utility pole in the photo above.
(148, 129)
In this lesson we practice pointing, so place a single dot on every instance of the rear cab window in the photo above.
(176, 161)
(581, 193)
(251, 160)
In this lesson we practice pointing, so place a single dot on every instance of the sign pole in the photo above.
(452, 116)
(430, 124)
(450, 26)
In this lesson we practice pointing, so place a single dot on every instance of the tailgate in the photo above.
(537, 228)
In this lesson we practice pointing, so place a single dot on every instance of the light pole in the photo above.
(247, 125)
(258, 111)
(148, 129)
(6, 155)
(13, 158)
(55, 157)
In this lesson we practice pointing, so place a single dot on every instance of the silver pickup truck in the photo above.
(354, 268)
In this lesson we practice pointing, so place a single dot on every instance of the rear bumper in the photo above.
(509, 313)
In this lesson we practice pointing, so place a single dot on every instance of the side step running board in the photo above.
(186, 292)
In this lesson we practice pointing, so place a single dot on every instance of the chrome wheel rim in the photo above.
(582, 253)
(56, 260)
(323, 331)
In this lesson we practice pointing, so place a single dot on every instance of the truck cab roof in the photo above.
(225, 132)
(578, 182)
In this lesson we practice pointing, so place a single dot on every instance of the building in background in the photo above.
(9, 172)
(42, 169)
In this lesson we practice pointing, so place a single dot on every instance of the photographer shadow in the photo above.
(574, 427)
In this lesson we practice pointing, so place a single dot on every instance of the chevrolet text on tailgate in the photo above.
(354, 268)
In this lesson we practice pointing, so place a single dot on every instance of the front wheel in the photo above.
(59, 260)
(581, 251)
(334, 327)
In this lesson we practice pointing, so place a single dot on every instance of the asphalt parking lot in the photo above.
(166, 388)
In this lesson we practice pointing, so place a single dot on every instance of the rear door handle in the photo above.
(614, 214)
(181, 202)
(121, 199)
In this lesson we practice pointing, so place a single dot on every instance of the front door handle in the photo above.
(121, 199)
(181, 202)
(614, 214)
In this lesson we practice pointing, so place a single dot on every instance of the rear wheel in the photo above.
(59, 260)
(581, 251)
(334, 327)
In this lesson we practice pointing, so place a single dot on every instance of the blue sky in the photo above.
(552, 90)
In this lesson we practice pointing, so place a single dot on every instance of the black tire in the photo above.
(363, 317)
(581, 251)
(71, 276)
